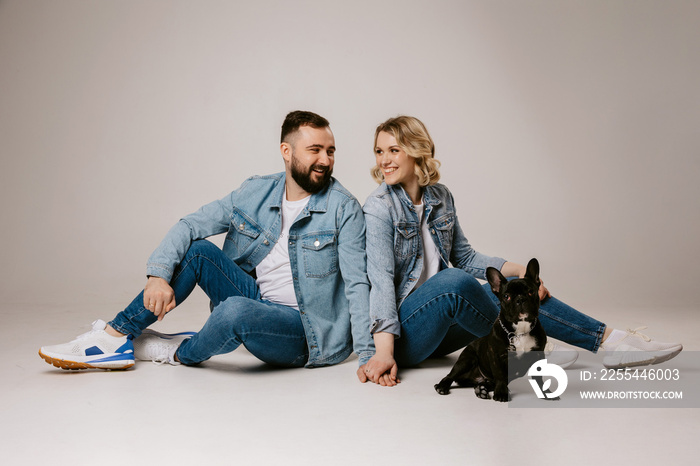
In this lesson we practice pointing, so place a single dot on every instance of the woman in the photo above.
(421, 307)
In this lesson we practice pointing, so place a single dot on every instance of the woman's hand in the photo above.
(543, 291)
(381, 370)
(511, 269)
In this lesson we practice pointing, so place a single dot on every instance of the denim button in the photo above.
(266, 243)
(317, 243)
(241, 226)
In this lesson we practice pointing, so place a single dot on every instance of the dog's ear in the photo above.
(533, 271)
(496, 280)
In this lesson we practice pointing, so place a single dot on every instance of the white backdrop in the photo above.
(568, 130)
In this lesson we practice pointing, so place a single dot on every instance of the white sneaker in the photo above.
(637, 349)
(559, 355)
(95, 349)
(159, 347)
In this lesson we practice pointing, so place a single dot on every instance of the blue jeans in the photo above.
(452, 308)
(271, 332)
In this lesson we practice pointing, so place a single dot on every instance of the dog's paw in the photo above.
(442, 389)
(481, 392)
(501, 396)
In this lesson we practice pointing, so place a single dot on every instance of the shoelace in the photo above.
(158, 353)
(634, 332)
(86, 334)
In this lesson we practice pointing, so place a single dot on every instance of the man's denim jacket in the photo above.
(395, 248)
(326, 254)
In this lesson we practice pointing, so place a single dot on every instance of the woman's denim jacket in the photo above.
(395, 249)
(326, 254)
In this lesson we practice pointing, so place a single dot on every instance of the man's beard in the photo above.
(304, 177)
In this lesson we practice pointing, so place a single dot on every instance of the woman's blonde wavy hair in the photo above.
(413, 137)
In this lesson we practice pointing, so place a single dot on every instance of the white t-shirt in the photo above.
(274, 272)
(431, 255)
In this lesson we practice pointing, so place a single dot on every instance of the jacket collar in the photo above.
(429, 197)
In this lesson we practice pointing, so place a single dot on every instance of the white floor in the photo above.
(235, 410)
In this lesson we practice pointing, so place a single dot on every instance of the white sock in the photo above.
(614, 338)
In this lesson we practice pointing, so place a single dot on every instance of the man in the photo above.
(290, 283)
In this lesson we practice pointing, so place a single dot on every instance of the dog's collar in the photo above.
(514, 337)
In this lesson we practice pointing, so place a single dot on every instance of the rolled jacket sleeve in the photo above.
(210, 219)
(381, 268)
(353, 268)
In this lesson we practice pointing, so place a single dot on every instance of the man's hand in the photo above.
(380, 370)
(158, 297)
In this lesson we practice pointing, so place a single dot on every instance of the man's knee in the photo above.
(234, 313)
(202, 247)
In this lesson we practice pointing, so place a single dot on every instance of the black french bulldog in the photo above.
(484, 362)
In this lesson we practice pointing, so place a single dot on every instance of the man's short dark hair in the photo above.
(299, 118)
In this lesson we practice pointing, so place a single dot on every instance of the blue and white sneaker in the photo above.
(95, 349)
(159, 347)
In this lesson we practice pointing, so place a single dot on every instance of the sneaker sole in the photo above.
(77, 365)
(169, 336)
(665, 356)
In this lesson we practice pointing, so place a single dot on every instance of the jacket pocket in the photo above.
(444, 229)
(320, 251)
(242, 232)
(405, 240)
